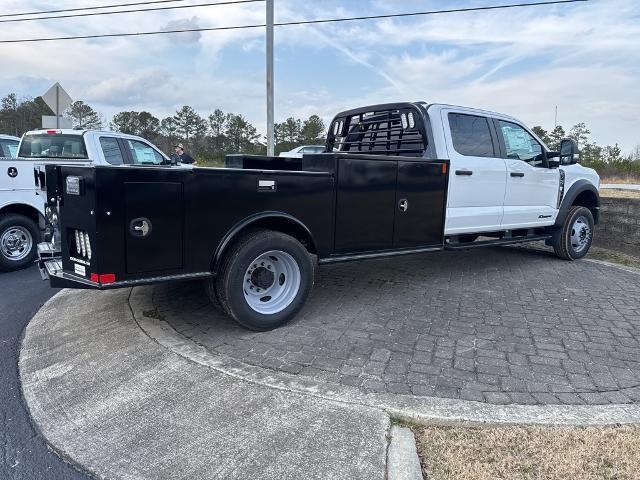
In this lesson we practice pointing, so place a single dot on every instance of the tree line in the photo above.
(606, 160)
(207, 138)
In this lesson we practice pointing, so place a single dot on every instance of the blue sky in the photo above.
(585, 58)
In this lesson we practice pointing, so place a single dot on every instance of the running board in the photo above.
(499, 241)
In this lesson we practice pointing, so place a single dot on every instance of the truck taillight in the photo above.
(103, 277)
(82, 244)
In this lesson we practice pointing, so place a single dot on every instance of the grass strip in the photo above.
(529, 452)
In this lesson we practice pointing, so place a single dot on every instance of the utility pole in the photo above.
(270, 133)
(57, 106)
(556, 120)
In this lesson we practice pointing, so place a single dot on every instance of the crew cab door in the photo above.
(477, 179)
(532, 188)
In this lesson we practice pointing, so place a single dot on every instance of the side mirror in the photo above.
(569, 153)
(553, 159)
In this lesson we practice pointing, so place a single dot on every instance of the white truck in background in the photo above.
(22, 210)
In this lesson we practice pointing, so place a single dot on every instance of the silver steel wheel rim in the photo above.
(271, 282)
(580, 234)
(16, 243)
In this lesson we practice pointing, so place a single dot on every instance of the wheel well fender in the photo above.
(277, 221)
(582, 193)
(25, 210)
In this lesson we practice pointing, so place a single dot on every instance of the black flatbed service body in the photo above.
(340, 206)
(254, 229)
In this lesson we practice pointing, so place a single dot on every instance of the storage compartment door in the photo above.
(365, 206)
(153, 226)
(420, 204)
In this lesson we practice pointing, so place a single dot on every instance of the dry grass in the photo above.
(529, 452)
(620, 179)
(596, 253)
(619, 193)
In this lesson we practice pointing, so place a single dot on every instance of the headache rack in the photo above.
(393, 130)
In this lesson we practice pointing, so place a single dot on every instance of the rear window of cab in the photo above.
(46, 145)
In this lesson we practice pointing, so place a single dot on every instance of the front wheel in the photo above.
(18, 239)
(265, 279)
(574, 238)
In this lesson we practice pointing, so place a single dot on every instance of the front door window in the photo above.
(521, 145)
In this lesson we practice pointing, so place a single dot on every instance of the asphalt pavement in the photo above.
(23, 451)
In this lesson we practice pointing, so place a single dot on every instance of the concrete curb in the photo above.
(633, 270)
(402, 460)
(403, 407)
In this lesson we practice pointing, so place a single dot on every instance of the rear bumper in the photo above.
(50, 265)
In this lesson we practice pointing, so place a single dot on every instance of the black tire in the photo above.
(562, 240)
(210, 288)
(234, 276)
(14, 224)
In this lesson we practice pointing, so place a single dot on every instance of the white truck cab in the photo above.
(501, 179)
(22, 209)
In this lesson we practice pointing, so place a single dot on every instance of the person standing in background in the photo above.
(183, 156)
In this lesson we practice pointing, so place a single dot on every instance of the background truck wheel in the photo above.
(264, 280)
(574, 239)
(19, 236)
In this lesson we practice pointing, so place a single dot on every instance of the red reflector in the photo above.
(94, 277)
(52, 132)
(444, 168)
(107, 277)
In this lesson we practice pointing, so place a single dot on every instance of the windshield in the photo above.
(8, 148)
(53, 146)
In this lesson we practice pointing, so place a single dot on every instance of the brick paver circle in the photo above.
(499, 325)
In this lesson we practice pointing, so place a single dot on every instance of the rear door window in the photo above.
(12, 148)
(143, 153)
(111, 150)
(471, 135)
(8, 148)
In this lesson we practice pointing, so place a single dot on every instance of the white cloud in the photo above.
(585, 59)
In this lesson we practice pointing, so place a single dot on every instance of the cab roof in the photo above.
(9, 137)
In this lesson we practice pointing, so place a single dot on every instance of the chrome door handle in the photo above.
(403, 205)
(140, 227)
(517, 174)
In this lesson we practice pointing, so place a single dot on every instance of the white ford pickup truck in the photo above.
(22, 211)
(393, 179)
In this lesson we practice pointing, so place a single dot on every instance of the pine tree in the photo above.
(580, 133)
(555, 137)
(217, 124)
(84, 116)
(241, 136)
(312, 131)
(542, 134)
